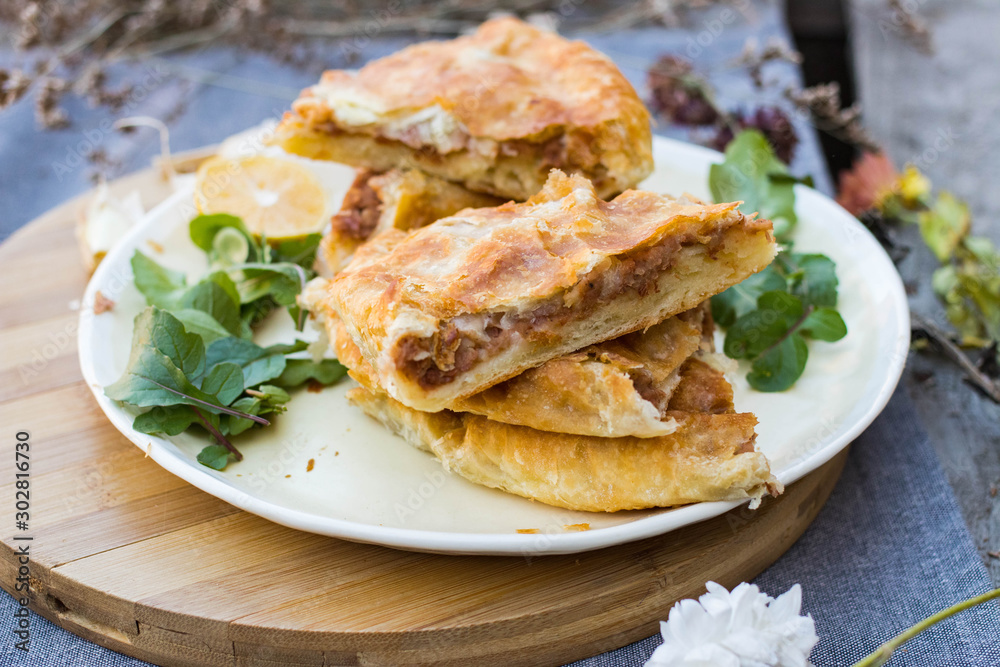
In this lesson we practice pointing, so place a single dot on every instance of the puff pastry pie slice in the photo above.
(493, 111)
(397, 199)
(613, 389)
(708, 457)
(458, 306)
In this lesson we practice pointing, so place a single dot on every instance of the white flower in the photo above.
(745, 628)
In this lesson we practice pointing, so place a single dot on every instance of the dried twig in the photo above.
(943, 341)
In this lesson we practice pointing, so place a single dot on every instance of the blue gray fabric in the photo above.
(889, 548)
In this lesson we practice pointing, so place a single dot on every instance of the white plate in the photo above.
(367, 485)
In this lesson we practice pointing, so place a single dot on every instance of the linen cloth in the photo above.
(889, 548)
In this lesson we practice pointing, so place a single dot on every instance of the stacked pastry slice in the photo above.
(558, 349)
(470, 122)
(492, 111)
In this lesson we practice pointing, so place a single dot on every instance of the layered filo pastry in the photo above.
(709, 455)
(595, 430)
(493, 111)
(401, 199)
(448, 310)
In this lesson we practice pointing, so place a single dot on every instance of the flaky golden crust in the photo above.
(468, 108)
(404, 199)
(564, 252)
(709, 457)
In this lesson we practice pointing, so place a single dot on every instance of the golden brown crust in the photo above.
(466, 109)
(404, 199)
(709, 457)
(564, 252)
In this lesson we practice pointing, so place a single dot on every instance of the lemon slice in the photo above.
(276, 198)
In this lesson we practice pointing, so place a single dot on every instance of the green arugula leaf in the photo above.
(237, 425)
(170, 420)
(258, 364)
(824, 324)
(288, 348)
(152, 379)
(301, 251)
(224, 381)
(164, 332)
(752, 173)
(299, 371)
(214, 456)
(282, 281)
(217, 296)
(201, 323)
(753, 333)
(161, 286)
(780, 366)
(742, 298)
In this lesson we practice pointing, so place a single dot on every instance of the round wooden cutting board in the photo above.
(127, 555)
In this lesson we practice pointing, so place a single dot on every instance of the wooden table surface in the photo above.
(939, 111)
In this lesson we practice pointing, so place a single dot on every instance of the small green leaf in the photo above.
(201, 323)
(161, 286)
(813, 278)
(945, 225)
(780, 366)
(299, 371)
(282, 281)
(164, 332)
(167, 420)
(214, 456)
(249, 405)
(740, 299)
(824, 324)
(751, 173)
(273, 394)
(217, 296)
(258, 364)
(756, 331)
(224, 381)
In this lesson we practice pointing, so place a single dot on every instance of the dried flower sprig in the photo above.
(823, 104)
(77, 41)
(913, 27)
(679, 94)
(754, 57)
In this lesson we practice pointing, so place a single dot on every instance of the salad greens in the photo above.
(769, 316)
(193, 360)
